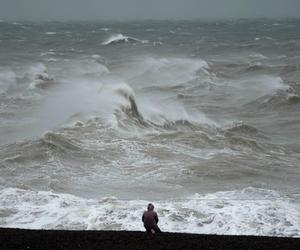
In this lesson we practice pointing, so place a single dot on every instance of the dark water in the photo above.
(97, 119)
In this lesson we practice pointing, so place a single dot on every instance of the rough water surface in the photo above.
(201, 118)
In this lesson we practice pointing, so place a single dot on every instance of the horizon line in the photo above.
(148, 19)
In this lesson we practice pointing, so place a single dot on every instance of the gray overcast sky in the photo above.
(145, 9)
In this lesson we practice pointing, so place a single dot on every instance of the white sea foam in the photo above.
(26, 27)
(154, 111)
(255, 87)
(106, 29)
(38, 76)
(250, 211)
(266, 83)
(263, 38)
(118, 38)
(257, 56)
(50, 33)
(50, 52)
(157, 43)
(51, 59)
(171, 71)
(42, 80)
(165, 63)
(96, 56)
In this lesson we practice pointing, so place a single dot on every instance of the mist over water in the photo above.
(201, 118)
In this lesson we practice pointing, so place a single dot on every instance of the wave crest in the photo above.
(59, 141)
(120, 38)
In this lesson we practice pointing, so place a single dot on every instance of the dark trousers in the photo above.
(155, 229)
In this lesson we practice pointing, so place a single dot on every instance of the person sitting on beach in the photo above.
(150, 220)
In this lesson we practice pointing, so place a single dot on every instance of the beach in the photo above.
(51, 239)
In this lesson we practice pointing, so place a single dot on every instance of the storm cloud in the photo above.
(146, 9)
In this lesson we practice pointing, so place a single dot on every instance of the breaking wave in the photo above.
(283, 98)
(131, 113)
(139, 121)
(119, 38)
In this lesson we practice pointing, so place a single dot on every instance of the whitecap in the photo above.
(48, 53)
(106, 29)
(96, 56)
(38, 76)
(51, 59)
(257, 56)
(171, 71)
(157, 43)
(263, 38)
(50, 33)
(26, 27)
(41, 80)
(120, 38)
(258, 86)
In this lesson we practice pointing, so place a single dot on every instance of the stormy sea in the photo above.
(97, 119)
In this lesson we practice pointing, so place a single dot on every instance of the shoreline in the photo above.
(11, 238)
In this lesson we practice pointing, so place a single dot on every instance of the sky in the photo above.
(146, 9)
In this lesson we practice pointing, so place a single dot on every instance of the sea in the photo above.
(200, 118)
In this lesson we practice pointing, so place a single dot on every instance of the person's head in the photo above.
(150, 207)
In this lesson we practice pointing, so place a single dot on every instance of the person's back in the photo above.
(150, 219)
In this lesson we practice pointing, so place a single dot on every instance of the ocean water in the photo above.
(97, 119)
